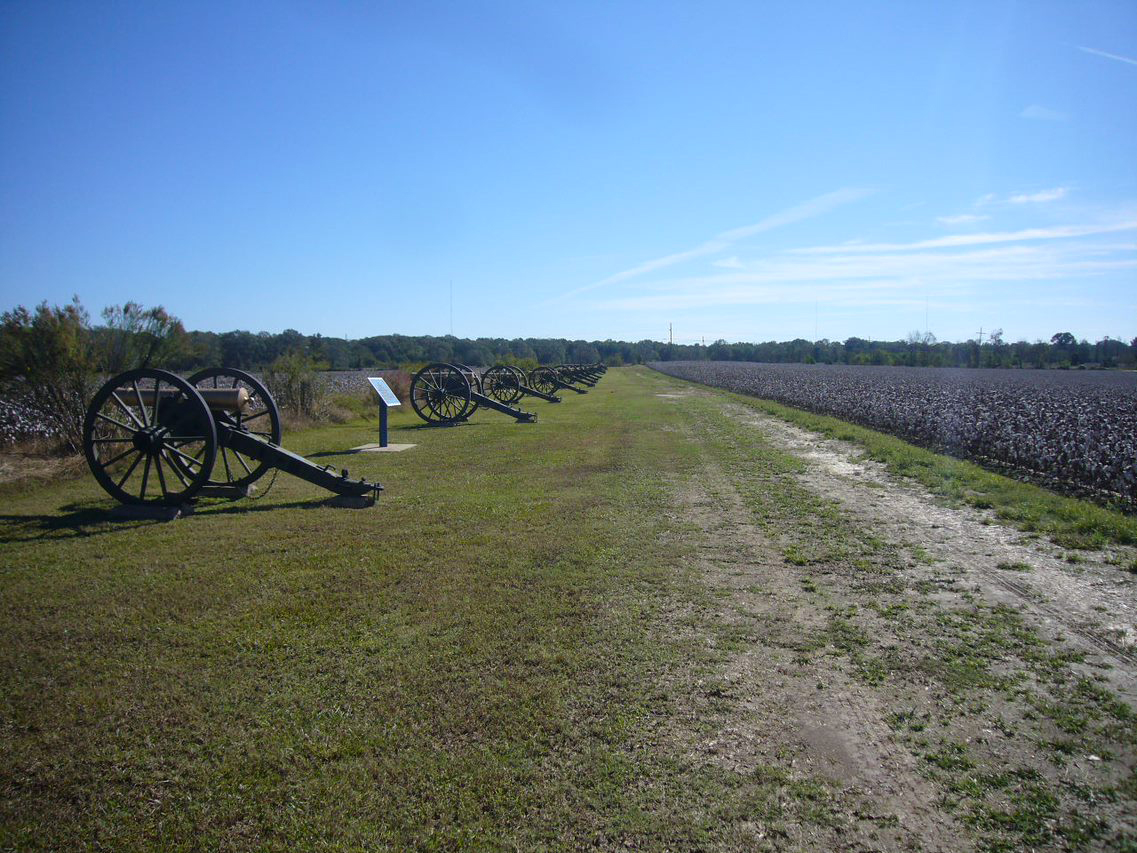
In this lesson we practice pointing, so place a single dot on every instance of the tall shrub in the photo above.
(133, 336)
(295, 385)
(47, 362)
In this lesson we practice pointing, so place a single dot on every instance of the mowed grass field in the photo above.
(514, 649)
(465, 662)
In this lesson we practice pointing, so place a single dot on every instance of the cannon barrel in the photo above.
(218, 399)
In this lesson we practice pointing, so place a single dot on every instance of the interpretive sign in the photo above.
(387, 399)
(383, 390)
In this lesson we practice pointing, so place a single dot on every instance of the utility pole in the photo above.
(670, 333)
(980, 336)
(451, 307)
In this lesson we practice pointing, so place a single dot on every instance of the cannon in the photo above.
(152, 437)
(444, 394)
(548, 381)
(507, 384)
(567, 377)
(589, 374)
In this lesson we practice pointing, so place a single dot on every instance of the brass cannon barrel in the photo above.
(218, 399)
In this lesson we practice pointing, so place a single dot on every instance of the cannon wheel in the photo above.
(475, 387)
(149, 438)
(544, 379)
(260, 418)
(440, 393)
(503, 383)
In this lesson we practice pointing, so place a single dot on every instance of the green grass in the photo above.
(1015, 566)
(511, 650)
(461, 665)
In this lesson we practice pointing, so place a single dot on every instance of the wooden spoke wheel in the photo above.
(503, 383)
(440, 393)
(149, 438)
(522, 379)
(259, 416)
(544, 379)
(475, 381)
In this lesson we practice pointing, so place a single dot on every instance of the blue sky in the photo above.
(747, 171)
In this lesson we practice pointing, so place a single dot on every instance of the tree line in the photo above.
(132, 336)
(257, 350)
(53, 357)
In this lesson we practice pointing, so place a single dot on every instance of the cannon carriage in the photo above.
(152, 437)
(589, 374)
(566, 377)
(508, 383)
(444, 394)
(548, 380)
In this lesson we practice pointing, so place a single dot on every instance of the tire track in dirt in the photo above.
(809, 715)
(1030, 601)
(1091, 604)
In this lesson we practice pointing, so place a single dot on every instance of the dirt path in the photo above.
(1088, 603)
(953, 683)
(836, 734)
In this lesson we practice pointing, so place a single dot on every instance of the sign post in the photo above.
(387, 399)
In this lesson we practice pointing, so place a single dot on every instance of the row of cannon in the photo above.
(444, 394)
(155, 438)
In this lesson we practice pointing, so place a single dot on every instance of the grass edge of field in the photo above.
(1068, 522)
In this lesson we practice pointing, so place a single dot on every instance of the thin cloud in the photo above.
(720, 242)
(1038, 113)
(880, 279)
(961, 219)
(1107, 55)
(1038, 197)
(732, 263)
(1006, 262)
(1057, 232)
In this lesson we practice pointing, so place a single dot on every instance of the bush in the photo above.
(398, 381)
(297, 388)
(133, 336)
(51, 361)
(527, 364)
(47, 372)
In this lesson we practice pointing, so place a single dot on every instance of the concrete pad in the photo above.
(375, 448)
(351, 501)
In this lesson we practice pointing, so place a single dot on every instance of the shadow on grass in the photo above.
(393, 438)
(85, 521)
(242, 507)
(442, 426)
